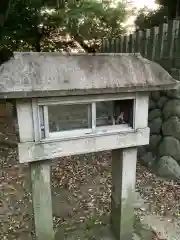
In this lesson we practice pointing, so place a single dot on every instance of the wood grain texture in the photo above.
(53, 74)
(38, 151)
(42, 203)
(123, 192)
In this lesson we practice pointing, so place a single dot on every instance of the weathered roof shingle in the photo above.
(54, 74)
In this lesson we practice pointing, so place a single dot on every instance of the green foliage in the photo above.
(52, 25)
(147, 19)
(169, 9)
(173, 7)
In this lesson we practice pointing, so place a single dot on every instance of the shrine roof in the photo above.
(48, 74)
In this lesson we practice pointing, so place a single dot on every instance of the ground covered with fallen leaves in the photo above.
(81, 190)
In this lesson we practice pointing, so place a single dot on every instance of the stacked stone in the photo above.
(163, 151)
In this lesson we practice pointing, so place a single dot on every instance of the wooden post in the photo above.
(146, 42)
(138, 40)
(125, 41)
(40, 171)
(117, 45)
(101, 49)
(161, 38)
(123, 192)
(176, 39)
(27, 111)
(113, 45)
(104, 45)
(121, 43)
(127, 44)
(171, 37)
(152, 43)
(131, 43)
(178, 43)
(42, 203)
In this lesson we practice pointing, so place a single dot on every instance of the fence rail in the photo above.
(160, 44)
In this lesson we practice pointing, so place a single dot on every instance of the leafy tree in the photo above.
(173, 7)
(4, 10)
(169, 9)
(147, 19)
(55, 25)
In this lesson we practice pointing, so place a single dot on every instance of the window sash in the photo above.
(80, 132)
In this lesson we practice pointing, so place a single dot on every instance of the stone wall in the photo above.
(163, 152)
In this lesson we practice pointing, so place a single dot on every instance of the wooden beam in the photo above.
(153, 43)
(141, 111)
(171, 36)
(28, 120)
(42, 203)
(93, 142)
(123, 192)
(25, 120)
(162, 33)
(138, 41)
(146, 42)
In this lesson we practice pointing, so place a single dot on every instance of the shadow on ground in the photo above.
(81, 191)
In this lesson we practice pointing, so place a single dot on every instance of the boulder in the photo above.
(175, 93)
(168, 168)
(171, 127)
(148, 159)
(155, 125)
(154, 141)
(154, 114)
(161, 102)
(141, 151)
(170, 146)
(175, 73)
(172, 108)
(155, 95)
(152, 104)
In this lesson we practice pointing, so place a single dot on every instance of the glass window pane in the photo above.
(69, 117)
(116, 112)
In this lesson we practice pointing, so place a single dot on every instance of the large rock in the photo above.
(154, 114)
(161, 102)
(175, 73)
(155, 95)
(152, 104)
(174, 93)
(171, 127)
(154, 142)
(155, 125)
(167, 167)
(172, 108)
(170, 146)
(148, 159)
(141, 151)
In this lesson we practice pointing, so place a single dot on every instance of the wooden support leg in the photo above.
(42, 204)
(123, 192)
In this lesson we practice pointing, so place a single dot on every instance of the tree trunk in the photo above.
(39, 36)
(4, 11)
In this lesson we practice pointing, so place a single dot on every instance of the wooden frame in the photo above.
(79, 132)
(37, 145)
(39, 151)
(36, 137)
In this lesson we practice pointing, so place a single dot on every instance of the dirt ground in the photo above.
(81, 189)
